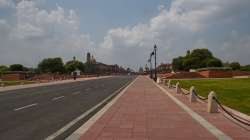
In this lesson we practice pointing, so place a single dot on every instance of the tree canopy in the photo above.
(73, 65)
(198, 58)
(17, 67)
(51, 65)
(3, 69)
(235, 65)
(245, 68)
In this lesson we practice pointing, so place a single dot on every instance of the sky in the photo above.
(122, 31)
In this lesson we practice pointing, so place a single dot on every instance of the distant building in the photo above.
(100, 68)
(163, 68)
(88, 58)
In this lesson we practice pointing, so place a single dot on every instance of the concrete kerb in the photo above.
(83, 129)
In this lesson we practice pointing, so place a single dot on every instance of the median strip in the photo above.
(27, 106)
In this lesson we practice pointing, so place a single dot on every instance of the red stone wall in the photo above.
(13, 77)
(216, 74)
(183, 75)
(241, 73)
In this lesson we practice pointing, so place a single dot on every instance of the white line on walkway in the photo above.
(57, 98)
(27, 106)
(211, 128)
(75, 93)
(69, 125)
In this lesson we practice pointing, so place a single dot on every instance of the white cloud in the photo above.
(39, 33)
(187, 24)
(5, 3)
(221, 26)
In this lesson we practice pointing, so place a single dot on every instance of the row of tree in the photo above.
(48, 65)
(56, 65)
(202, 58)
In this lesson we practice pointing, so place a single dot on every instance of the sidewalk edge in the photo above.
(83, 129)
(208, 126)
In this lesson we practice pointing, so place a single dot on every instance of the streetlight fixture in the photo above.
(155, 48)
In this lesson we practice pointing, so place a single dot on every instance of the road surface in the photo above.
(36, 113)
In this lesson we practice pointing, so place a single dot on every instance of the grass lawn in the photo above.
(234, 93)
(13, 83)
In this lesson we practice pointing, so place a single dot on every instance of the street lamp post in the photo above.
(150, 67)
(155, 48)
(151, 70)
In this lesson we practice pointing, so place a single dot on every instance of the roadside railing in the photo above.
(213, 103)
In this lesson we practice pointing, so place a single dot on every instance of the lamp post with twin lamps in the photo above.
(151, 71)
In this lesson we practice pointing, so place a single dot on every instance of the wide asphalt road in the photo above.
(36, 113)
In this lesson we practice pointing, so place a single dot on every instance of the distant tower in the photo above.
(93, 60)
(88, 58)
(74, 58)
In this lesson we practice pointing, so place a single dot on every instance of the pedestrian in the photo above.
(74, 75)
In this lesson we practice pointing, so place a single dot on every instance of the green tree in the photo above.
(73, 65)
(201, 54)
(3, 69)
(198, 58)
(214, 62)
(17, 67)
(177, 63)
(245, 68)
(51, 65)
(235, 65)
(191, 63)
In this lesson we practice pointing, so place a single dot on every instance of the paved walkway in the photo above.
(145, 112)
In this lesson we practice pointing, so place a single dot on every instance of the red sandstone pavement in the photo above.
(144, 112)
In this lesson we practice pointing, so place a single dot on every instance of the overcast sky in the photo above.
(122, 31)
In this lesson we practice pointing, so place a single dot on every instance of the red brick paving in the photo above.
(144, 112)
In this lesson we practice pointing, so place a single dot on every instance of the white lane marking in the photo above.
(75, 93)
(211, 128)
(70, 124)
(87, 89)
(57, 98)
(27, 106)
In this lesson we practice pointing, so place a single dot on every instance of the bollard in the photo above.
(169, 83)
(212, 106)
(177, 88)
(192, 96)
(163, 81)
(158, 81)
